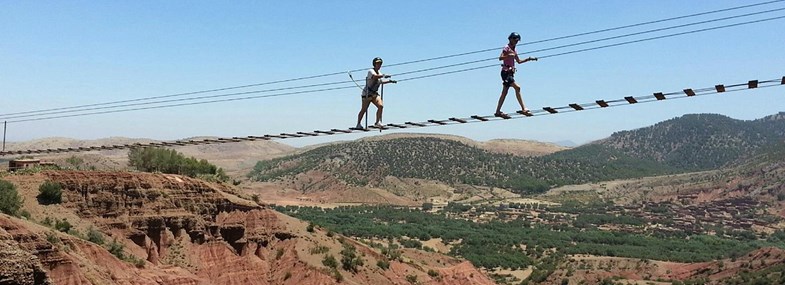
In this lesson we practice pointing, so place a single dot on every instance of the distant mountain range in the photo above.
(687, 143)
(566, 143)
(699, 142)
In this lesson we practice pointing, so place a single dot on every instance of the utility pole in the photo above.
(5, 124)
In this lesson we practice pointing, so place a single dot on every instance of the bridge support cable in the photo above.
(147, 103)
(572, 107)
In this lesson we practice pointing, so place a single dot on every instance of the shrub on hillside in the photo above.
(330, 261)
(383, 264)
(63, 226)
(349, 258)
(117, 249)
(173, 162)
(50, 193)
(10, 201)
(95, 236)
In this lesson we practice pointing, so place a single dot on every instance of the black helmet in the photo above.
(514, 35)
(377, 59)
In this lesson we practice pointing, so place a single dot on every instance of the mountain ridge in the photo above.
(698, 141)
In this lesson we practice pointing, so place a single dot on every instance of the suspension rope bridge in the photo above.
(574, 107)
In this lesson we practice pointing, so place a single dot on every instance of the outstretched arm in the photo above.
(380, 75)
(527, 59)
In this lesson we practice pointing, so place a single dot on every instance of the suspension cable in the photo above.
(351, 86)
(405, 73)
(395, 64)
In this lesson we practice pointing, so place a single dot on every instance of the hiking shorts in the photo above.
(369, 96)
(508, 77)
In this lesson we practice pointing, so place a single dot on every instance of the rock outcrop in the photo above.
(176, 230)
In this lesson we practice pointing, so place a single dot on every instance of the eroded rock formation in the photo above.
(177, 230)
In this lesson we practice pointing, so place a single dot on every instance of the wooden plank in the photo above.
(720, 88)
(415, 124)
(689, 92)
(752, 84)
(602, 103)
(503, 116)
(258, 138)
(481, 118)
(550, 110)
(576, 106)
(630, 99)
(462, 121)
(659, 96)
(437, 122)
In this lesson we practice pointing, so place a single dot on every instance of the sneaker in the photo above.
(499, 114)
(378, 125)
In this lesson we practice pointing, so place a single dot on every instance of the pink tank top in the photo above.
(509, 62)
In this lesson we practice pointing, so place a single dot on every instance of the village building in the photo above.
(18, 164)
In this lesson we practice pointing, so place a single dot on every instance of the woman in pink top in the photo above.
(509, 57)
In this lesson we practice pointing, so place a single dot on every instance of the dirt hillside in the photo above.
(178, 230)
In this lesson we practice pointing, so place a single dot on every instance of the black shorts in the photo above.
(508, 77)
(370, 95)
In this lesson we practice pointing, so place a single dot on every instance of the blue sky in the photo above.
(64, 53)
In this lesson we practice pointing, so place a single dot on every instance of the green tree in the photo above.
(50, 193)
(10, 201)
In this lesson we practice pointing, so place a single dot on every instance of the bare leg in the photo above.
(363, 109)
(518, 96)
(379, 108)
(501, 99)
